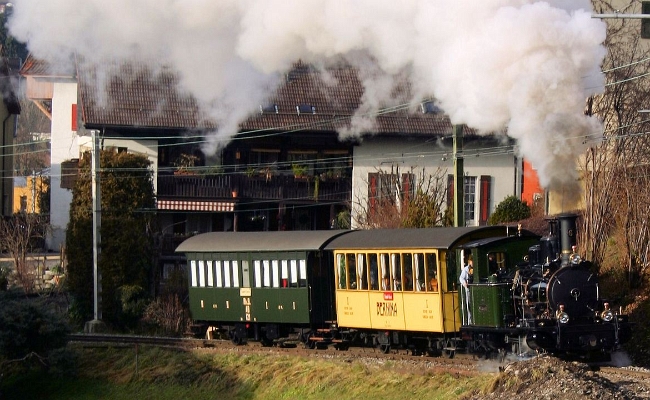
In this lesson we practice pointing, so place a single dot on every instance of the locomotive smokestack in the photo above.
(567, 235)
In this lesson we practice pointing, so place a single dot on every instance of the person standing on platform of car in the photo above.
(465, 280)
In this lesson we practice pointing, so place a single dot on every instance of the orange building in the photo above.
(531, 189)
(27, 191)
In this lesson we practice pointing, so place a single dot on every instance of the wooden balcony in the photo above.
(275, 187)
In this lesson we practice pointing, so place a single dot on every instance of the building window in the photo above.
(389, 189)
(476, 198)
(470, 199)
(23, 204)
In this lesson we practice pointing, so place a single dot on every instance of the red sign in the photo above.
(388, 296)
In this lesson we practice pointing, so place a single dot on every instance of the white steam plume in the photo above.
(523, 65)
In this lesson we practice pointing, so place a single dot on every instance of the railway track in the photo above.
(135, 339)
(462, 363)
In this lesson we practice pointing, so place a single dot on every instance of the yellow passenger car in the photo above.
(400, 287)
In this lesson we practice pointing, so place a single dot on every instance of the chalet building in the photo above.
(286, 169)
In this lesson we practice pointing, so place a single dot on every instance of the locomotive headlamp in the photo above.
(607, 315)
(563, 317)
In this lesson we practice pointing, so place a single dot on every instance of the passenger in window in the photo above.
(397, 283)
(502, 271)
(433, 284)
(492, 264)
(352, 273)
(386, 283)
(432, 273)
(465, 279)
(408, 281)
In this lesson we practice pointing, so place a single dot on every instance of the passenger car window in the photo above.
(235, 273)
(342, 270)
(362, 271)
(432, 272)
(294, 273)
(275, 273)
(284, 277)
(420, 276)
(193, 273)
(219, 273)
(385, 271)
(374, 271)
(303, 273)
(201, 273)
(396, 270)
(210, 271)
(408, 271)
(227, 282)
(352, 273)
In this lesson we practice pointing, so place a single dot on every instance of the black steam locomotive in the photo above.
(548, 303)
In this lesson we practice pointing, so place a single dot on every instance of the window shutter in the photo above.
(372, 193)
(450, 190)
(485, 199)
(74, 117)
(407, 186)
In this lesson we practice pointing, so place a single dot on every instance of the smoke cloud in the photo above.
(521, 65)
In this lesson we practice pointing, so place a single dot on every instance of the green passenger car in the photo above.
(261, 285)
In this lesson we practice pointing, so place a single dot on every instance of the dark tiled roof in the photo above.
(136, 97)
(334, 104)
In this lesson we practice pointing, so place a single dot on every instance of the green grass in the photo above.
(112, 373)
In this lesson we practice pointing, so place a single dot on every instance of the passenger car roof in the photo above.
(441, 238)
(220, 242)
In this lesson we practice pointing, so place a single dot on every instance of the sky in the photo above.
(521, 67)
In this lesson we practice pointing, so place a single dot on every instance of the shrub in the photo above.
(133, 302)
(28, 326)
(4, 279)
(168, 314)
(509, 210)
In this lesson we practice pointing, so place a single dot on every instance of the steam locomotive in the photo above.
(399, 289)
(549, 303)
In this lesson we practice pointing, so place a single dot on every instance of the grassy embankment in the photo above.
(112, 373)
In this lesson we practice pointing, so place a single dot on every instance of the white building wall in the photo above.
(381, 154)
(148, 148)
(64, 146)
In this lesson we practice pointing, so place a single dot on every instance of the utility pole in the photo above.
(459, 177)
(96, 325)
(644, 17)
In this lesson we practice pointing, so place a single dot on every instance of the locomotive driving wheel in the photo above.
(385, 348)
